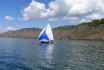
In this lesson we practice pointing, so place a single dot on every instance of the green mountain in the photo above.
(91, 30)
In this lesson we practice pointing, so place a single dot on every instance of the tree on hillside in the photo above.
(96, 22)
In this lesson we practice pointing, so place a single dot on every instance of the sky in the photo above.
(18, 14)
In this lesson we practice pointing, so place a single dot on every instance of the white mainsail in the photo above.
(46, 34)
(49, 32)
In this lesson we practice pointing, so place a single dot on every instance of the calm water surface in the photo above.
(28, 54)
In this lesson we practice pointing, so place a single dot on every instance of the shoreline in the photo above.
(96, 39)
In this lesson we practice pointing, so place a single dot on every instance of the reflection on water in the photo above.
(45, 55)
(28, 54)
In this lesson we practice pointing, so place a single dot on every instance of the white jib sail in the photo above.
(41, 34)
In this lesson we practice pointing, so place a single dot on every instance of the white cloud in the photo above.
(58, 8)
(10, 28)
(94, 16)
(83, 10)
(75, 8)
(53, 19)
(91, 17)
(70, 18)
(9, 18)
(34, 11)
(6, 29)
(84, 20)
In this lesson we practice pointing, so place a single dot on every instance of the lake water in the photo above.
(28, 54)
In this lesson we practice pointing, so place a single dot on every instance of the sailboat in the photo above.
(46, 35)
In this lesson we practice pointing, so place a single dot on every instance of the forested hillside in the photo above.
(88, 30)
